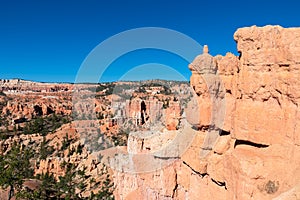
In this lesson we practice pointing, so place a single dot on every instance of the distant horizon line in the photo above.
(56, 82)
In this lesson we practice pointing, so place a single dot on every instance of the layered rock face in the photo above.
(149, 112)
(246, 142)
(142, 111)
(37, 107)
(265, 120)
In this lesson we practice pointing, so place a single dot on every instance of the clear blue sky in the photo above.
(48, 40)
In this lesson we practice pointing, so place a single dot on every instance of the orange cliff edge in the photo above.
(255, 109)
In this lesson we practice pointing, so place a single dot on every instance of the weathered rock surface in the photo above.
(173, 115)
(37, 107)
(251, 101)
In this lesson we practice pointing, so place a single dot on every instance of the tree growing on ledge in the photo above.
(15, 168)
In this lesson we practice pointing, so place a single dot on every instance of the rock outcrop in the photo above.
(246, 116)
(143, 111)
(37, 107)
(173, 115)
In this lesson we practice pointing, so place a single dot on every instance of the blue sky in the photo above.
(49, 40)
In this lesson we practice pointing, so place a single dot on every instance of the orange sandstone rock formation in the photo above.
(247, 143)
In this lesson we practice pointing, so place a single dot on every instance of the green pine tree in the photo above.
(15, 168)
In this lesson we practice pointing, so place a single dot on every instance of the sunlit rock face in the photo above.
(143, 111)
(251, 102)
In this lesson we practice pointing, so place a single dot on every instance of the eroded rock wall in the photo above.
(246, 116)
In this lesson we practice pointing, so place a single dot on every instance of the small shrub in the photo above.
(271, 187)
